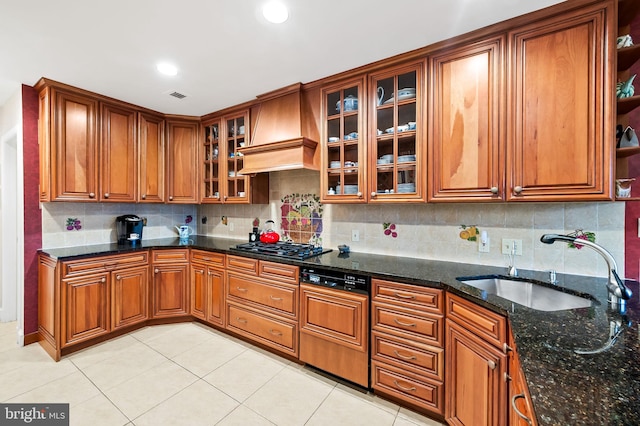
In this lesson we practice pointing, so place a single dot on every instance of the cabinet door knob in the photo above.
(359, 194)
(118, 277)
(170, 197)
(492, 365)
(92, 195)
(494, 189)
(506, 348)
(103, 280)
(507, 377)
(144, 196)
(225, 197)
(156, 270)
(373, 194)
(517, 189)
(106, 195)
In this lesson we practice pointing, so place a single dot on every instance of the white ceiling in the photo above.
(225, 51)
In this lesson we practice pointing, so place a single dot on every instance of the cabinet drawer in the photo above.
(483, 322)
(282, 298)
(278, 271)
(104, 264)
(169, 256)
(418, 358)
(265, 329)
(429, 299)
(425, 393)
(407, 323)
(242, 264)
(217, 260)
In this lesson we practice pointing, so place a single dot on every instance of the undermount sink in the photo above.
(527, 293)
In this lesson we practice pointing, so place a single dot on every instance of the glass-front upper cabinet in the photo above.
(237, 130)
(343, 143)
(397, 135)
(211, 163)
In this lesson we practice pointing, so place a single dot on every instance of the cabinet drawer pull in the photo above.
(411, 389)
(404, 324)
(492, 365)
(408, 358)
(513, 405)
(275, 298)
(242, 320)
(402, 296)
(244, 290)
(206, 259)
(155, 271)
(275, 332)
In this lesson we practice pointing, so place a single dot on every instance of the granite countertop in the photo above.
(566, 388)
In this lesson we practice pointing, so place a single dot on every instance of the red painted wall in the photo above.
(32, 213)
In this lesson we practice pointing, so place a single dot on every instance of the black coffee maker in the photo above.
(129, 229)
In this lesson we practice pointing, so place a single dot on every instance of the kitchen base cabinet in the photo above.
(520, 407)
(407, 352)
(82, 301)
(476, 365)
(170, 283)
(262, 302)
(207, 286)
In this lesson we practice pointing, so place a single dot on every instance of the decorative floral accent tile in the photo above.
(583, 235)
(301, 220)
(188, 219)
(389, 229)
(469, 232)
(73, 223)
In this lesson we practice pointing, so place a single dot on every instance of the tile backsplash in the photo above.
(429, 231)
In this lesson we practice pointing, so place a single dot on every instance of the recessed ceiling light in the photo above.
(167, 69)
(275, 12)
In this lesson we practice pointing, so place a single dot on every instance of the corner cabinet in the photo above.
(170, 283)
(68, 138)
(343, 157)
(221, 160)
(466, 153)
(397, 135)
(181, 156)
(560, 123)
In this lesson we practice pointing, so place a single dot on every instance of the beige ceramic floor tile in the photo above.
(97, 411)
(27, 378)
(8, 336)
(100, 352)
(341, 407)
(243, 375)
(242, 416)
(137, 359)
(417, 419)
(290, 398)
(143, 392)
(179, 340)
(26, 356)
(151, 332)
(72, 389)
(206, 357)
(198, 404)
(372, 399)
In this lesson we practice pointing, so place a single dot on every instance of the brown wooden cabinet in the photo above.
(170, 283)
(129, 296)
(118, 153)
(520, 408)
(466, 153)
(344, 141)
(151, 160)
(397, 134)
(82, 300)
(560, 97)
(262, 302)
(476, 361)
(207, 286)
(407, 349)
(181, 160)
(68, 144)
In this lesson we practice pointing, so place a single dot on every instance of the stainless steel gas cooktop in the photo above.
(282, 249)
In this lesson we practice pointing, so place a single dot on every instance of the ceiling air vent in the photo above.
(177, 95)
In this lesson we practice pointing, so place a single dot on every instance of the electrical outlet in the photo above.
(231, 227)
(355, 235)
(484, 248)
(508, 243)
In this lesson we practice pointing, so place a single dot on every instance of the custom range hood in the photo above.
(284, 134)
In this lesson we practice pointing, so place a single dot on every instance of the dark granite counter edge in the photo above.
(528, 326)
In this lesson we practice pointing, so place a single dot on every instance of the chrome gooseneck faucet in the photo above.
(618, 291)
